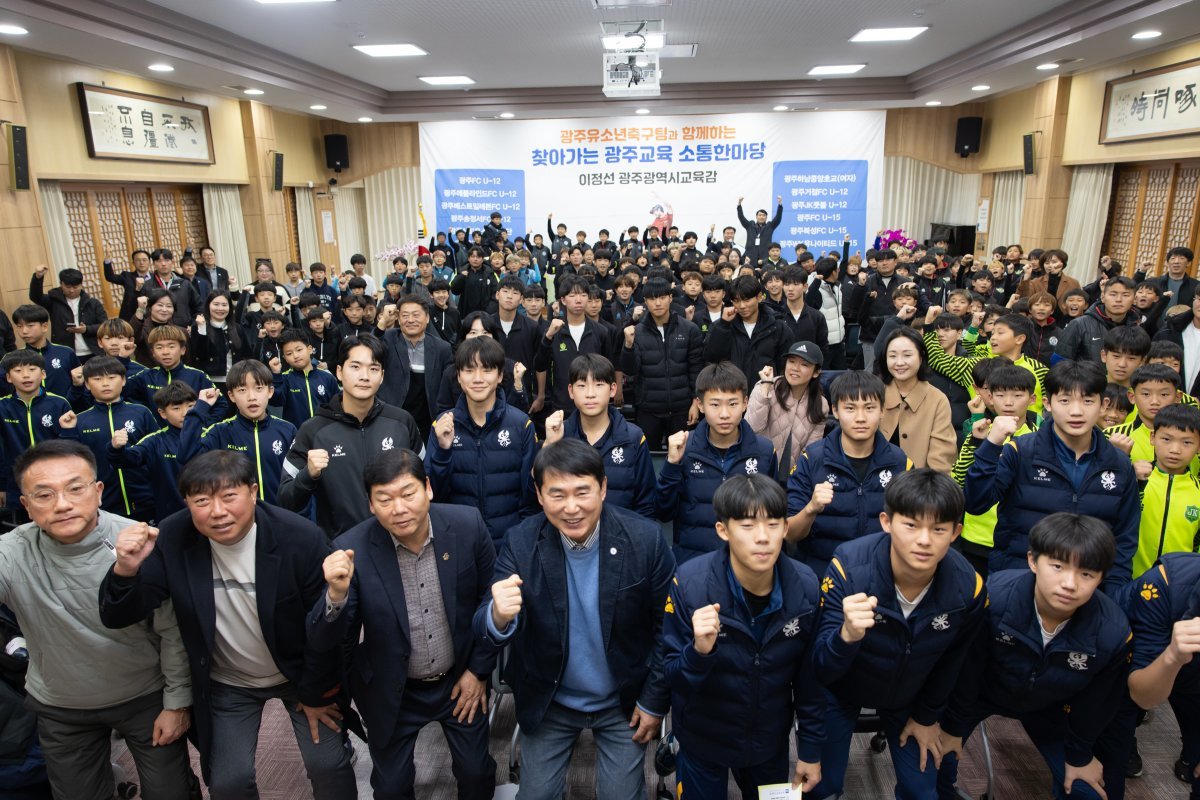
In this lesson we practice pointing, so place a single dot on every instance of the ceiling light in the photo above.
(365, 119)
(983, 87)
(447, 80)
(933, 102)
(780, 108)
(317, 107)
(252, 92)
(837, 69)
(634, 41)
(1047, 67)
(887, 34)
(13, 30)
(390, 50)
(161, 68)
(642, 111)
(507, 115)
(1146, 35)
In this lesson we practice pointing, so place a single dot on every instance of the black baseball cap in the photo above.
(808, 351)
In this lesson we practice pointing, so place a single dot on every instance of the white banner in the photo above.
(687, 171)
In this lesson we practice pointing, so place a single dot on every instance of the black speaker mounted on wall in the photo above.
(277, 172)
(967, 135)
(18, 158)
(337, 152)
(1027, 151)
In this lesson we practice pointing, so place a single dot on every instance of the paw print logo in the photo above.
(1149, 592)
(337, 449)
(277, 447)
(831, 479)
(387, 443)
(47, 421)
(129, 426)
(826, 584)
(670, 607)
(1108, 480)
(751, 466)
(885, 478)
(618, 455)
(1043, 473)
(504, 438)
(457, 441)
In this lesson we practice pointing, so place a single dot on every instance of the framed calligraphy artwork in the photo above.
(142, 127)
(1154, 104)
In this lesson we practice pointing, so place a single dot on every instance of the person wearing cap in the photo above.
(490, 236)
(789, 409)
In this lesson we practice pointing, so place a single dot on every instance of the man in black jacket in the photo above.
(492, 240)
(475, 285)
(131, 281)
(663, 353)
(1177, 279)
(747, 334)
(567, 337)
(873, 299)
(759, 232)
(806, 323)
(217, 276)
(74, 314)
(417, 358)
(242, 577)
(183, 291)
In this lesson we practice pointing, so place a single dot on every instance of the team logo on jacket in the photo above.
(941, 622)
(618, 455)
(1192, 513)
(129, 426)
(1042, 474)
(751, 466)
(337, 450)
(504, 438)
(697, 467)
(1005, 638)
(826, 584)
(1077, 661)
(1109, 480)
(457, 441)
(321, 391)
(831, 479)
(562, 347)
(1149, 592)
(47, 421)
(56, 363)
(1053, 340)
(277, 447)
(885, 478)
(387, 443)
(792, 627)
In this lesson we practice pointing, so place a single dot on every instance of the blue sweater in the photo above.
(587, 683)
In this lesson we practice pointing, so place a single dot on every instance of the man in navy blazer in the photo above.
(402, 588)
(415, 356)
(242, 577)
(580, 592)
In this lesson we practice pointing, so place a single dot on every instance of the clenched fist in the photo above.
(706, 624)
(67, 420)
(77, 376)
(1002, 428)
(444, 430)
(1122, 442)
(339, 569)
(767, 374)
(318, 460)
(630, 332)
(554, 427)
(506, 601)
(120, 438)
(728, 313)
(822, 496)
(275, 365)
(858, 616)
(210, 395)
(676, 443)
(134, 545)
(556, 325)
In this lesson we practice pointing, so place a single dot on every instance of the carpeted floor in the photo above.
(1019, 771)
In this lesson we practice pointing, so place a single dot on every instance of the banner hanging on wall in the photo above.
(687, 171)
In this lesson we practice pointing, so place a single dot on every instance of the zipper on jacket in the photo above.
(120, 472)
(308, 392)
(258, 464)
(29, 421)
(1162, 533)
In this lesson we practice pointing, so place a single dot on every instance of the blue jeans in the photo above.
(546, 754)
(911, 782)
(236, 718)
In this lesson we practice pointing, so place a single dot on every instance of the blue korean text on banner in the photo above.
(822, 202)
(466, 198)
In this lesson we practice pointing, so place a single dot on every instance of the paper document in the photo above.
(779, 791)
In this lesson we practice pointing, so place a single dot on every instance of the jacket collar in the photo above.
(618, 432)
(914, 399)
(495, 416)
(1020, 618)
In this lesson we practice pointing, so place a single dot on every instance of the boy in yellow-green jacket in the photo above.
(1009, 392)
(1170, 492)
(1152, 388)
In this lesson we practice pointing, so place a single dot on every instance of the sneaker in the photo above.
(1183, 770)
(1133, 767)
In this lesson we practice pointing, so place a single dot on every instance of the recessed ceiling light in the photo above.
(507, 115)
(161, 68)
(983, 87)
(1047, 67)
(933, 102)
(252, 92)
(837, 69)
(887, 34)
(634, 41)
(13, 30)
(642, 111)
(390, 50)
(365, 119)
(780, 108)
(317, 107)
(1146, 35)
(447, 80)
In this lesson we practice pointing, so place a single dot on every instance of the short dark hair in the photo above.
(50, 449)
(724, 376)
(291, 335)
(358, 258)
(216, 470)
(947, 321)
(1074, 538)
(855, 385)
(162, 252)
(174, 393)
(248, 371)
(656, 287)
(570, 284)
(534, 291)
(749, 496)
(30, 313)
(274, 316)
(708, 283)
(1117, 396)
(1165, 349)
(924, 493)
(513, 283)
(379, 353)
(984, 367)
(1186, 252)
(1010, 377)
(1071, 377)
(1074, 293)
(1179, 416)
(70, 277)
(1151, 285)
(490, 324)
(357, 282)
(484, 350)
(1149, 373)
(568, 457)
(439, 284)
(25, 357)
(1127, 339)
(262, 287)
(103, 365)
(1020, 325)
(388, 465)
(881, 367)
(591, 365)
(793, 275)
(1120, 280)
(747, 287)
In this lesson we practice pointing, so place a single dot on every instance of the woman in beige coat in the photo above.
(916, 415)
(790, 410)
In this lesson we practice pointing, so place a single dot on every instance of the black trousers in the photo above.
(658, 427)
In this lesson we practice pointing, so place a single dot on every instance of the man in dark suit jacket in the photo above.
(131, 281)
(579, 594)
(402, 588)
(217, 276)
(415, 390)
(242, 577)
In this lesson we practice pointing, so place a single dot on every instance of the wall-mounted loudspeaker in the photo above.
(18, 158)
(967, 135)
(277, 172)
(1027, 150)
(337, 152)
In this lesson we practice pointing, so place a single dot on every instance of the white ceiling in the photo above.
(541, 58)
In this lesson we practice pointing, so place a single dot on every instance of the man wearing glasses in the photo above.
(84, 680)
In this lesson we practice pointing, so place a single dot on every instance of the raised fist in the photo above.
(676, 443)
(822, 496)
(120, 438)
(1122, 442)
(728, 313)
(767, 374)
(77, 376)
(200, 321)
(554, 427)
(1002, 428)
(67, 420)
(138, 283)
(317, 460)
(689, 313)
(519, 371)
(339, 569)
(134, 545)
(706, 624)
(858, 616)
(506, 601)
(210, 395)
(141, 302)
(630, 332)
(40, 271)
(275, 365)
(556, 325)
(444, 430)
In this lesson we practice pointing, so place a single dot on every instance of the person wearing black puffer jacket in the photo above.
(747, 334)
(873, 299)
(663, 354)
(74, 314)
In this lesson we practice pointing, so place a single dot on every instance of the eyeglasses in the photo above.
(47, 497)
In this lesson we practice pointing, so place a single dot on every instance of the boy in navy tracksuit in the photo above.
(300, 388)
(115, 337)
(481, 452)
(737, 633)
(127, 492)
(721, 446)
(158, 453)
(264, 439)
(1066, 466)
(1050, 642)
(168, 344)
(30, 414)
(835, 492)
(621, 444)
(327, 296)
(899, 612)
(32, 326)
